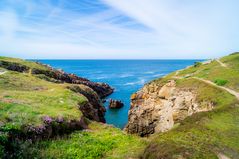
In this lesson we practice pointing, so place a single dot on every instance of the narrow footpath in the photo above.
(1, 73)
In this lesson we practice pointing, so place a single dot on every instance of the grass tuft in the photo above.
(220, 82)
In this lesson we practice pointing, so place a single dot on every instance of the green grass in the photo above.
(231, 60)
(206, 93)
(227, 76)
(25, 99)
(205, 134)
(197, 64)
(202, 135)
(29, 64)
(100, 141)
(220, 82)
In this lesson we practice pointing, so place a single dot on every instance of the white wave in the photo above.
(126, 75)
(140, 82)
(101, 77)
(130, 83)
(149, 72)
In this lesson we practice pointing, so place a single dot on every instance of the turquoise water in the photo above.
(126, 76)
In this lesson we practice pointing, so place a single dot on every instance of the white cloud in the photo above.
(169, 29)
(8, 25)
(186, 26)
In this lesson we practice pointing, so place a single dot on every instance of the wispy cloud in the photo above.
(187, 27)
(118, 29)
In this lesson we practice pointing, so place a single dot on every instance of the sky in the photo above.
(118, 29)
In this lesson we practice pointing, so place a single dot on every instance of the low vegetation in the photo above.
(213, 71)
(205, 134)
(220, 82)
(28, 100)
(100, 141)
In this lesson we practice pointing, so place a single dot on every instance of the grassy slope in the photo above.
(25, 99)
(214, 71)
(23, 62)
(101, 141)
(203, 135)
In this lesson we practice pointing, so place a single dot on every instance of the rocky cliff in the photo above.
(57, 76)
(93, 108)
(55, 90)
(156, 108)
(41, 107)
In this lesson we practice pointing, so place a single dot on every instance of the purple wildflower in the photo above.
(47, 119)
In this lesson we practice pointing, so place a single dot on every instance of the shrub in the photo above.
(197, 64)
(220, 82)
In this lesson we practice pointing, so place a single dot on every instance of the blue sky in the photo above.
(118, 29)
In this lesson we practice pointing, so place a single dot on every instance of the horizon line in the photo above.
(122, 59)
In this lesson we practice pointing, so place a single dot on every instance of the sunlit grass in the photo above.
(204, 134)
(25, 99)
(100, 141)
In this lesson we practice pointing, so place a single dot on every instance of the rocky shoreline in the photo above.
(93, 109)
(59, 76)
(156, 108)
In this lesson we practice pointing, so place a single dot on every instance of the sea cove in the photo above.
(125, 76)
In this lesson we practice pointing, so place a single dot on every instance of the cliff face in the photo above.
(157, 108)
(40, 106)
(93, 109)
(56, 91)
(58, 76)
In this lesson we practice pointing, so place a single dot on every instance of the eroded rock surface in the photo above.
(102, 89)
(115, 104)
(59, 76)
(93, 109)
(157, 108)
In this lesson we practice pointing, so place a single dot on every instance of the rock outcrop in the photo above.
(14, 66)
(102, 89)
(93, 91)
(93, 109)
(157, 108)
(115, 104)
(59, 76)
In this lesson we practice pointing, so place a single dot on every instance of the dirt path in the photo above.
(222, 156)
(221, 63)
(1, 73)
(236, 94)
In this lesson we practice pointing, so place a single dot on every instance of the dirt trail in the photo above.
(221, 63)
(236, 94)
(222, 156)
(1, 73)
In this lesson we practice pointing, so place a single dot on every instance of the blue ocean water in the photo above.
(126, 76)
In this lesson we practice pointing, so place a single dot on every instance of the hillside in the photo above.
(42, 108)
(191, 113)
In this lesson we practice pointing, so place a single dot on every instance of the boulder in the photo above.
(115, 104)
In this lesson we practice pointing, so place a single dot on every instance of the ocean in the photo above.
(126, 76)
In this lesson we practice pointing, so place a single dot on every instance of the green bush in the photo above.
(220, 82)
(197, 64)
